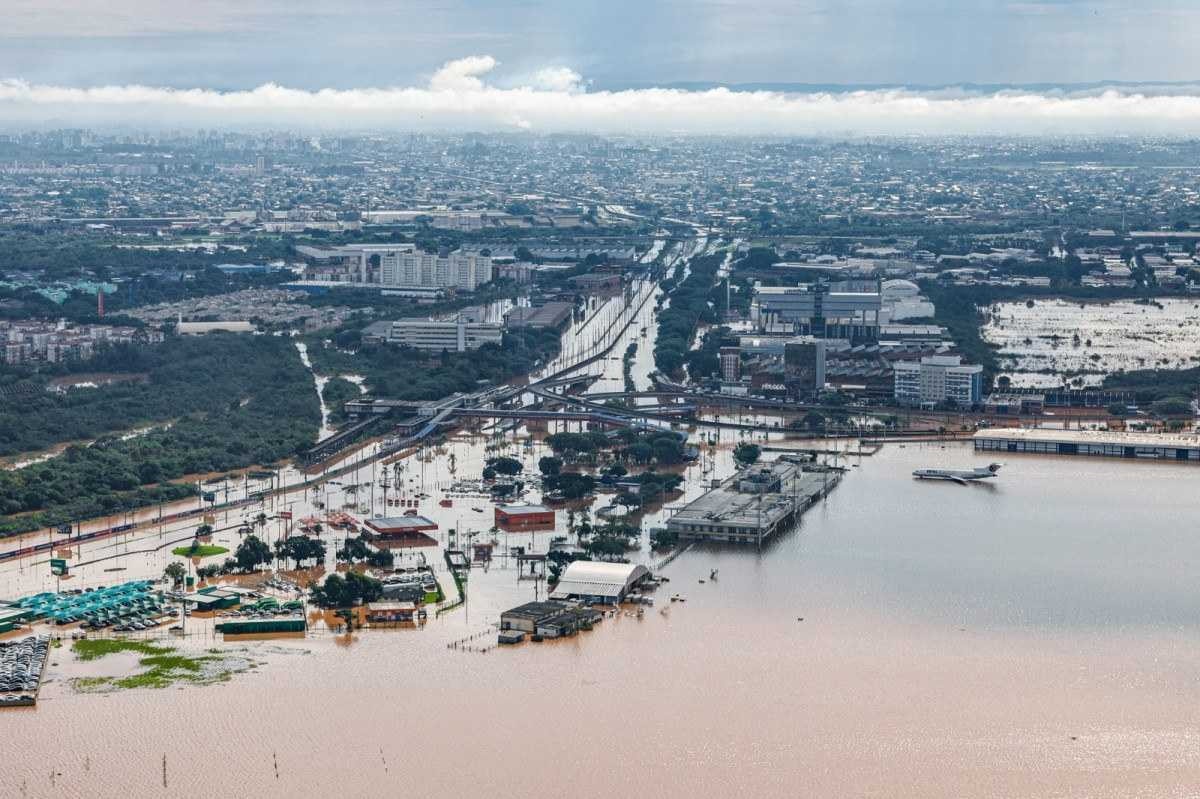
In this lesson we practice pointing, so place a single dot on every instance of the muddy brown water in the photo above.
(1033, 637)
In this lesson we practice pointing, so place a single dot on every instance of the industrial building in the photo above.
(595, 582)
(524, 517)
(410, 530)
(938, 379)
(200, 328)
(213, 598)
(527, 617)
(549, 619)
(1015, 404)
(818, 310)
(550, 315)
(753, 504)
(902, 299)
(433, 335)
(261, 626)
(1107, 443)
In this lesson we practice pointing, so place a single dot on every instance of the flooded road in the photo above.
(1016, 638)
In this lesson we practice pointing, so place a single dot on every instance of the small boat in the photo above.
(446, 503)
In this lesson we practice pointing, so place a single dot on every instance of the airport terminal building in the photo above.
(1107, 443)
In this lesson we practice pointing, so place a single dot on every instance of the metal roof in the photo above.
(596, 578)
(1115, 437)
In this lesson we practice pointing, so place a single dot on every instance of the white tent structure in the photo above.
(595, 582)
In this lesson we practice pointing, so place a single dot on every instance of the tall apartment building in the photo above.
(937, 379)
(412, 268)
(398, 266)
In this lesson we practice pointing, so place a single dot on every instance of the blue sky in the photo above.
(226, 44)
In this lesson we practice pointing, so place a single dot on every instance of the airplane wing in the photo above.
(959, 480)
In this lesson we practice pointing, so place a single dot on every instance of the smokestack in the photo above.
(100, 303)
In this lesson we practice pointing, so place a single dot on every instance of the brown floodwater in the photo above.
(1034, 637)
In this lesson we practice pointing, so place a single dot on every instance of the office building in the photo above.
(938, 379)
(731, 364)
(436, 335)
(804, 367)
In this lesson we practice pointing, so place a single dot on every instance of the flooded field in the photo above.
(1046, 342)
(909, 639)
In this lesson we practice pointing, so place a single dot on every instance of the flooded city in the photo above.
(969, 628)
(511, 400)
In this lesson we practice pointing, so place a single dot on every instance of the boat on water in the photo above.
(960, 476)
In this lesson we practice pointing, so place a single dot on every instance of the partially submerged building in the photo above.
(599, 583)
(550, 619)
(754, 504)
(1152, 446)
(524, 517)
(402, 530)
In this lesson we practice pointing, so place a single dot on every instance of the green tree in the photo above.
(505, 465)
(176, 572)
(746, 453)
(252, 553)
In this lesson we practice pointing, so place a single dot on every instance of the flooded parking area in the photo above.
(1043, 342)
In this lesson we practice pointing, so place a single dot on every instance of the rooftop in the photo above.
(401, 523)
(513, 510)
(1128, 439)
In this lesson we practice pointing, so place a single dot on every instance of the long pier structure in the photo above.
(756, 503)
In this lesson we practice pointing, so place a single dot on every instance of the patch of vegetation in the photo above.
(199, 551)
(1154, 385)
(627, 366)
(359, 550)
(405, 373)
(95, 648)
(184, 375)
(342, 592)
(337, 392)
(254, 403)
(746, 453)
(958, 311)
(161, 666)
(689, 306)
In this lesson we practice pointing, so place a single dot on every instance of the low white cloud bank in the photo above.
(458, 97)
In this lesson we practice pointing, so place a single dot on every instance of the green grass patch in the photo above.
(202, 551)
(93, 648)
(161, 666)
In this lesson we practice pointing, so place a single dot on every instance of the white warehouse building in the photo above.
(595, 582)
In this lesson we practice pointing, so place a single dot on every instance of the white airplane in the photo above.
(962, 477)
